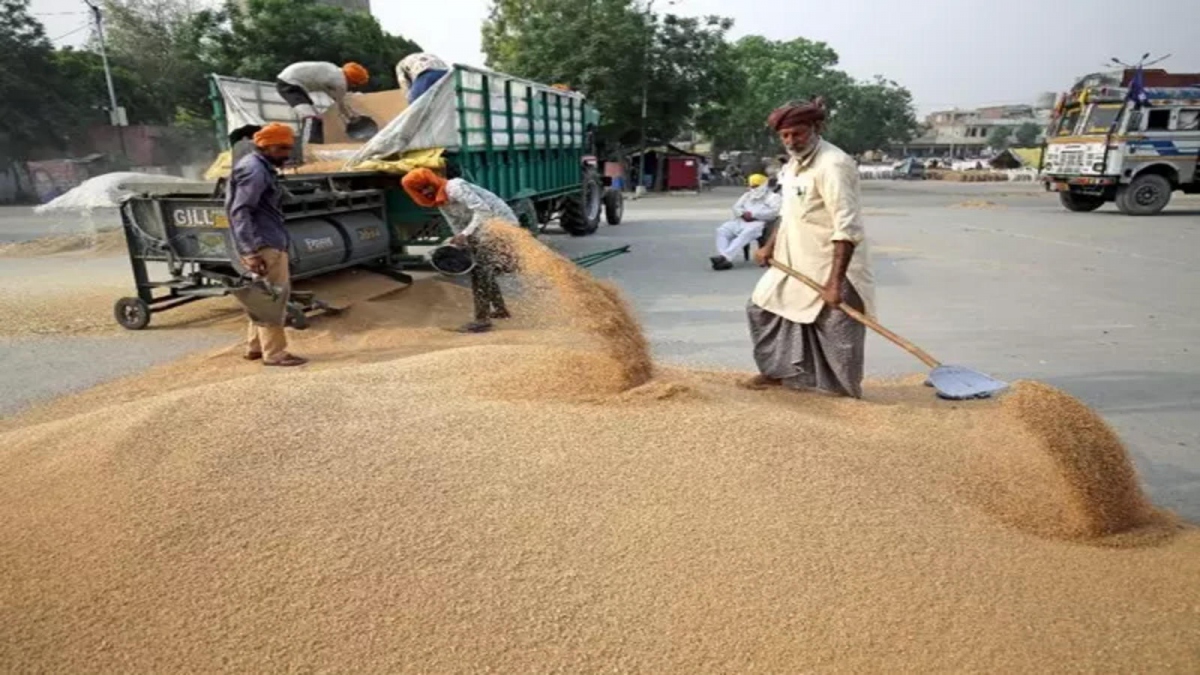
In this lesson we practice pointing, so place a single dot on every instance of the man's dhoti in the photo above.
(734, 235)
(826, 355)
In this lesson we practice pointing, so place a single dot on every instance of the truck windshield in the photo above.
(1066, 124)
(1101, 118)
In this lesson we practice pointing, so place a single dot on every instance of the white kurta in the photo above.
(763, 205)
(820, 206)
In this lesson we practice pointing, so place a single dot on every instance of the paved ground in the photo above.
(1099, 304)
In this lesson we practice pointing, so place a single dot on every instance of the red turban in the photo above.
(417, 180)
(796, 113)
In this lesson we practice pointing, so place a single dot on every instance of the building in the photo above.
(360, 5)
(964, 133)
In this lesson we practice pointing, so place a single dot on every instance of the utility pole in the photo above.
(641, 184)
(115, 113)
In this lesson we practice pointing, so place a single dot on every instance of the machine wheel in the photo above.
(1146, 195)
(581, 212)
(132, 313)
(527, 215)
(1074, 201)
(296, 318)
(614, 206)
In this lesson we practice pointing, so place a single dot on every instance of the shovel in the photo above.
(951, 382)
(265, 302)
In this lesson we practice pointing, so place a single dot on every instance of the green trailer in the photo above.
(530, 143)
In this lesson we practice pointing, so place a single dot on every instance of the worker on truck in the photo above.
(467, 209)
(253, 203)
(299, 81)
(417, 73)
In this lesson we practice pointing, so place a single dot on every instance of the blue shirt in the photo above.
(423, 82)
(252, 202)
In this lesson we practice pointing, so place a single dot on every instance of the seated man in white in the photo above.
(753, 210)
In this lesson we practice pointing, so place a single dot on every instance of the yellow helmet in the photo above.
(756, 180)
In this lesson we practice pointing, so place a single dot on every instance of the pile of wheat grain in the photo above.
(420, 500)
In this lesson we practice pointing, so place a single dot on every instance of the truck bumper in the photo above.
(1079, 183)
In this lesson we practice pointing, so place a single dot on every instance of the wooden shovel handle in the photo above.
(863, 318)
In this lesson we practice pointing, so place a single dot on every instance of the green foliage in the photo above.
(30, 99)
(999, 138)
(862, 115)
(272, 34)
(612, 50)
(1026, 135)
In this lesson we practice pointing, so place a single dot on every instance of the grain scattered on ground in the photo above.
(417, 500)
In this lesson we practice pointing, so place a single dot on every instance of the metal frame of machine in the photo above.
(189, 232)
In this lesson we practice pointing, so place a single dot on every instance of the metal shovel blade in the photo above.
(264, 302)
(957, 383)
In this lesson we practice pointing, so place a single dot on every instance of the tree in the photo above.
(999, 138)
(862, 115)
(158, 41)
(270, 34)
(1026, 135)
(35, 114)
(601, 47)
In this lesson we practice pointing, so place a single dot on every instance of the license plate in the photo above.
(1059, 187)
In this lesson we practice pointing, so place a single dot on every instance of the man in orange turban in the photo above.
(802, 338)
(298, 81)
(253, 203)
(467, 208)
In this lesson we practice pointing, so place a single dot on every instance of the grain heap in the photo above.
(424, 501)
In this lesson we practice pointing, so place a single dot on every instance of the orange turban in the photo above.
(415, 182)
(275, 134)
(356, 75)
(795, 113)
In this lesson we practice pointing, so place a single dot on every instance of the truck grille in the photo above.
(1071, 160)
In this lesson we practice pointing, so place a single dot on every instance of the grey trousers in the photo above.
(826, 354)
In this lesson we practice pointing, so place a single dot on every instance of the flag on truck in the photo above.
(1137, 89)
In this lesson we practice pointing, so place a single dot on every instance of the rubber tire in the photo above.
(575, 219)
(1127, 195)
(132, 313)
(295, 317)
(614, 207)
(1080, 203)
(527, 215)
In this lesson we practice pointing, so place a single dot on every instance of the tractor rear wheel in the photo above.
(581, 211)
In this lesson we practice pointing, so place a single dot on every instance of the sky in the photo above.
(948, 53)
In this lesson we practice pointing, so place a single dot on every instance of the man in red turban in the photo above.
(802, 339)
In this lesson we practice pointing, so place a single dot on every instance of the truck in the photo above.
(530, 143)
(1130, 142)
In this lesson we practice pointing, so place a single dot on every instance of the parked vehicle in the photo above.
(1131, 145)
(530, 143)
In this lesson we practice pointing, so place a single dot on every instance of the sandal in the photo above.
(476, 327)
(252, 356)
(287, 361)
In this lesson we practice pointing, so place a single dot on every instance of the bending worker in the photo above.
(253, 204)
(299, 81)
(802, 340)
(416, 73)
(467, 208)
(753, 210)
